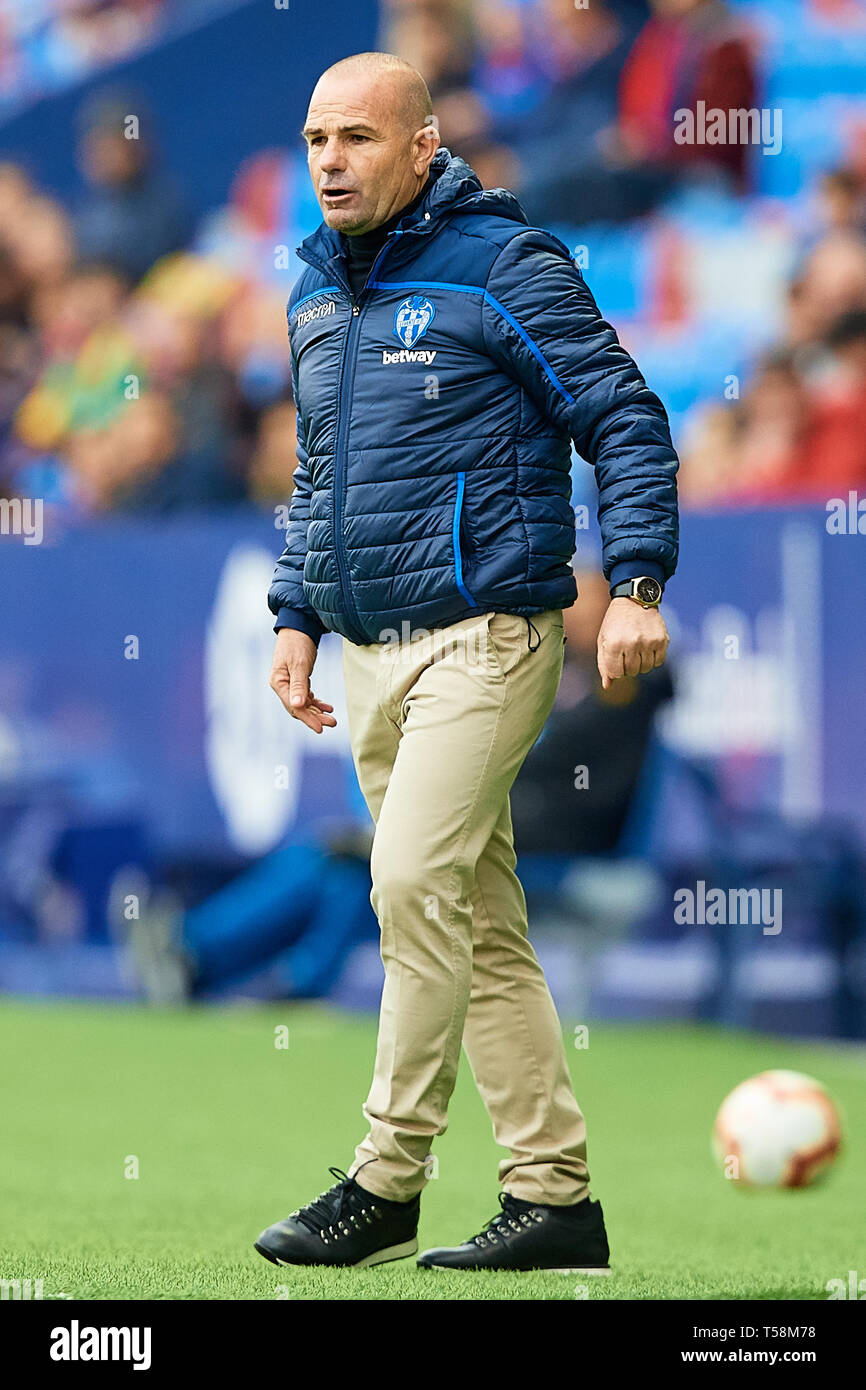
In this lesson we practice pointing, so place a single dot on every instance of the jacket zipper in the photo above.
(340, 453)
(345, 390)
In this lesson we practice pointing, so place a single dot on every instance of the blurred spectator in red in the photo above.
(790, 439)
(833, 456)
(132, 215)
(689, 51)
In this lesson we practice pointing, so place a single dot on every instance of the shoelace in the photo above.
(324, 1216)
(513, 1217)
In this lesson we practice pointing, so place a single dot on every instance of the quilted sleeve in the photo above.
(543, 326)
(286, 598)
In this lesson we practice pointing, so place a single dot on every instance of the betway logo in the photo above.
(319, 311)
(407, 355)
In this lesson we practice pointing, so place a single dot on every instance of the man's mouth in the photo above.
(337, 195)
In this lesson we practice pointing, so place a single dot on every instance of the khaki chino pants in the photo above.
(439, 726)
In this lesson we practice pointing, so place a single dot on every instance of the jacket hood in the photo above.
(454, 187)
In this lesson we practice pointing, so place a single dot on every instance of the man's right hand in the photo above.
(294, 658)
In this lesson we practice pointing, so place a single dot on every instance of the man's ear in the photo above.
(425, 145)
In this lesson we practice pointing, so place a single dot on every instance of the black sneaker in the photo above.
(527, 1235)
(344, 1226)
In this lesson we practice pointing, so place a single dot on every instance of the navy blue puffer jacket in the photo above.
(434, 420)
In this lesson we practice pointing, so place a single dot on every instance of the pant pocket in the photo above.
(512, 638)
(507, 640)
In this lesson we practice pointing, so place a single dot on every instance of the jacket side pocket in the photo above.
(455, 537)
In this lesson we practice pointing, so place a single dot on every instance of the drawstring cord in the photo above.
(530, 628)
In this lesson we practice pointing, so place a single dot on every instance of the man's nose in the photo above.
(332, 159)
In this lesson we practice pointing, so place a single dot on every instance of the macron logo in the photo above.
(77, 1343)
(406, 355)
(319, 311)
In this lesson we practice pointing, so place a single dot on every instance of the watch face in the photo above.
(648, 590)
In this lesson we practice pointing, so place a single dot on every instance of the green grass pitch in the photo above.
(230, 1132)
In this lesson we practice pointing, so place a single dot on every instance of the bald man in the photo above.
(445, 355)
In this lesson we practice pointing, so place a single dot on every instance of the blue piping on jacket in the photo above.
(455, 536)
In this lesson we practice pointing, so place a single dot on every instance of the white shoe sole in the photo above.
(594, 1271)
(394, 1252)
(379, 1257)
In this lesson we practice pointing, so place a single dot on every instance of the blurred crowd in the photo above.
(798, 431)
(143, 358)
(572, 105)
(135, 373)
(47, 44)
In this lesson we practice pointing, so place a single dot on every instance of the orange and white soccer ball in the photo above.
(778, 1129)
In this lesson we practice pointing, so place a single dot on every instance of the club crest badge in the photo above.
(412, 319)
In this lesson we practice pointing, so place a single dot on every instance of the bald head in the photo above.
(405, 85)
(371, 136)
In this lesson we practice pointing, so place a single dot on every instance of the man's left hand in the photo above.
(631, 640)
